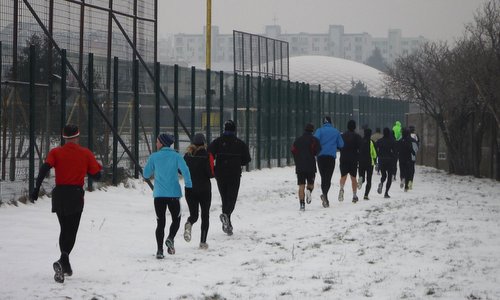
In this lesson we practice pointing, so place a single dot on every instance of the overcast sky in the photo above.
(433, 19)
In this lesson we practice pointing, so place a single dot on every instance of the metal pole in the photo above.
(176, 107)
(320, 106)
(208, 105)
(135, 79)
(297, 107)
(32, 126)
(235, 106)
(288, 121)
(278, 136)
(1, 105)
(208, 29)
(90, 123)
(259, 119)
(269, 147)
(63, 92)
(157, 103)
(12, 169)
(115, 120)
(221, 104)
(193, 99)
(156, 33)
(247, 115)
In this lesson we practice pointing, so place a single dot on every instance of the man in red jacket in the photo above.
(71, 163)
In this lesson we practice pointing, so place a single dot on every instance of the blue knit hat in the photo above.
(166, 139)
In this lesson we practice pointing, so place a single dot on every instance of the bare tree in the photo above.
(431, 78)
(484, 34)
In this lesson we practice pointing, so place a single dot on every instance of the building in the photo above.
(336, 74)
(190, 48)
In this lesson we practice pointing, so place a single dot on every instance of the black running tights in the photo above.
(326, 166)
(69, 227)
(161, 204)
(386, 168)
(228, 189)
(199, 199)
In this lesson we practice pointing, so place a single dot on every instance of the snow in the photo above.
(439, 240)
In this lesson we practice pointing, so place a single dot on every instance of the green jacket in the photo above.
(373, 153)
(397, 130)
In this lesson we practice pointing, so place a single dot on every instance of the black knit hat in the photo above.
(199, 139)
(309, 127)
(351, 125)
(229, 126)
(70, 131)
(166, 139)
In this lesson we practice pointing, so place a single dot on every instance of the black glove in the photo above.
(34, 194)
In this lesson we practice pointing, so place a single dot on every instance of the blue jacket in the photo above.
(164, 165)
(330, 140)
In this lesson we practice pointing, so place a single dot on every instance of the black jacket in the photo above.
(304, 150)
(201, 169)
(230, 154)
(365, 156)
(352, 142)
(386, 149)
(406, 150)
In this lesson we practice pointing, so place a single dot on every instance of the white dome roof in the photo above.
(335, 74)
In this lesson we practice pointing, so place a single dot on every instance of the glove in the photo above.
(34, 194)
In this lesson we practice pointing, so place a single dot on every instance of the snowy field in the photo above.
(440, 240)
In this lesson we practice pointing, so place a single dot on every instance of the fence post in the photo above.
(208, 104)
(32, 60)
(304, 103)
(235, 102)
(297, 106)
(63, 92)
(176, 107)
(90, 109)
(278, 135)
(268, 98)
(320, 106)
(221, 104)
(1, 106)
(247, 115)
(288, 123)
(136, 117)
(115, 120)
(157, 104)
(259, 120)
(193, 100)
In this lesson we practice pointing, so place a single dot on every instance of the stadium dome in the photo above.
(336, 74)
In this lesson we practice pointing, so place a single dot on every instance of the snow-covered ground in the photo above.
(440, 240)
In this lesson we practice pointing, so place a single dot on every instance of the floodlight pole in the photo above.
(208, 52)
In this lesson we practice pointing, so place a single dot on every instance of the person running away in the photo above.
(386, 151)
(330, 141)
(304, 150)
(164, 166)
(408, 148)
(71, 163)
(349, 157)
(367, 159)
(201, 169)
(230, 154)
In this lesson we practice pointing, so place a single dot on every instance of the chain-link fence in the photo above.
(269, 115)
(95, 66)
